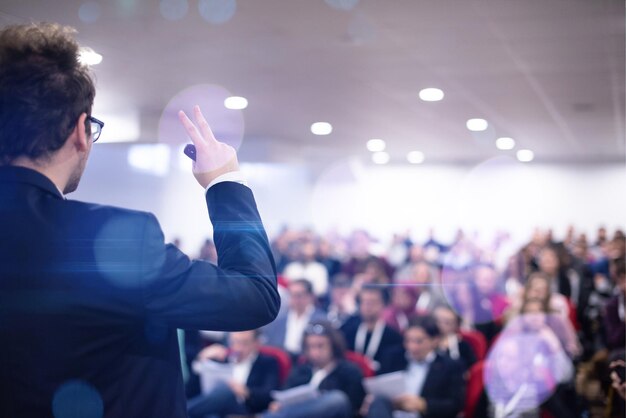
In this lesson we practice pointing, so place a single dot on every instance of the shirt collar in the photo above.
(428, 360)
(250, 360)
(308, 312)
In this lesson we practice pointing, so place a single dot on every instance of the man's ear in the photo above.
(81, 138)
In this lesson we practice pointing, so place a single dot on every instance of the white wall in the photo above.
(497, 194)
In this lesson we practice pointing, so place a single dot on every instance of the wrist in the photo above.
(206, 178)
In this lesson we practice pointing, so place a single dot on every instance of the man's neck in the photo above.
(246, 358)
(425, 357)
(370, 324)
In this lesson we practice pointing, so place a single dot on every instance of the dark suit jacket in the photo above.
(614, 326)
(444, 387)
(346, 377)
(390, 343)
(467, 357)
(91, 297)
(263, 379)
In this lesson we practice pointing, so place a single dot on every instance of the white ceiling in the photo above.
(549, 73)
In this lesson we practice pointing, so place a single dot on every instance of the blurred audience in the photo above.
(367, 333)
(323, 366)
(451, 343)
(434, 383)
(567, 292)
(287, 331)
(308, 268)
(255, 375)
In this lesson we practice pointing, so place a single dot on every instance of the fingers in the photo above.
(205, 129)
(191, 129)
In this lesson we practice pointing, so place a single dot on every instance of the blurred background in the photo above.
(548, 74)
(387, 141)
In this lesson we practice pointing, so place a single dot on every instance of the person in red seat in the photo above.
(338, 380)
(254, 376)
(368, 334)
(434, 384)
(451, 342)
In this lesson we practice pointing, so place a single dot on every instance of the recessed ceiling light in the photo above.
(525, 155)
(380, 157)
(321, 128)
(431, 94)
(477, 125)
(505, 143)
(415, 157)
(236, 103)
(88, 56)
(376, 145)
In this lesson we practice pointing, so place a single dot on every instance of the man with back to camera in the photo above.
(90, 296)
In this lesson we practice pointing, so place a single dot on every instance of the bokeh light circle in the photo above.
(526, 364)
(173, 9)
(89, 12)
(77, 399)
(227, 125)
(490, 199)
(342, 4)
(217, 11)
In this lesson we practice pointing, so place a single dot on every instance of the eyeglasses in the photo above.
(315, 329)
(96, 127)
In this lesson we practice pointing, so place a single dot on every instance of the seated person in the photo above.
(286, 331)
(367, 332)
(324, 366)
(528, 370)
(614, 311)
(254, 376)
(342, 301)
(435, 385)
(403, 300)
(451, 342)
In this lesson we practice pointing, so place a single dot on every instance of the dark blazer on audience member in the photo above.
(345, 377)
(390, 343)
(614, 326)
(91, 297)
(467, 357)
(264, 377)
(444, 387)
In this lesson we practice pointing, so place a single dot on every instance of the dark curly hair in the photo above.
(43, 89)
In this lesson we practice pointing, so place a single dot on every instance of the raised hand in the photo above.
(213, 158)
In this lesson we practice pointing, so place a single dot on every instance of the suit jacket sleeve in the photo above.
(239, 294)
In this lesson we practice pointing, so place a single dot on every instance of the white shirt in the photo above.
(241, 369)
(373, 344)
(453, 346)
(415, 377)
(416, 374)
(234, 176)
(295, 329)
(320, 374)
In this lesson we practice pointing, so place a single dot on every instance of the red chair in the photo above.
(475, 386)
(283, 359)
(361, 361)
(477, 341)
